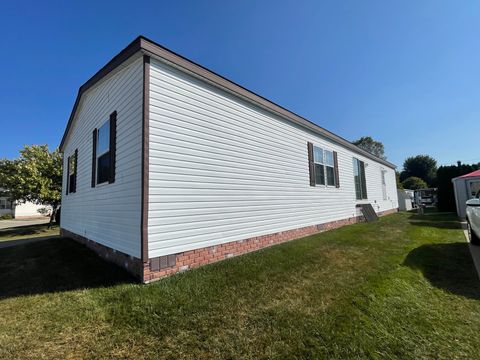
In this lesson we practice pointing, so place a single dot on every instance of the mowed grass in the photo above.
(28, 232)
(404, 287)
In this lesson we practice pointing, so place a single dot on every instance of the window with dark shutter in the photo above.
(337, 173)
(94, 157)
(113, 145)
(105, 151)
(359, 179)
(323, 166)
(72, 173)
(68, 176)
(364, 182)
(311, 164)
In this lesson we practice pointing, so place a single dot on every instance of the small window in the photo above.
(324, 167)
(359, 179)
(384, 185)
(5, 204)
(103, 153)
(330, 169)
(319, 167)
(71, 173)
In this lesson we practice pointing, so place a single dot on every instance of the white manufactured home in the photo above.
(18, 210)
(168, 166)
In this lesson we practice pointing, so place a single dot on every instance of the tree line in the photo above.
(421, 172)
(36, 175)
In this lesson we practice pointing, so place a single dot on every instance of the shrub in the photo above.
(6, 217)
(414, 183)
(445, 193)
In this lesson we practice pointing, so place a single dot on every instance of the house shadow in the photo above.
(438, 224)
(24, 230)
(54, 265)
(448, 267)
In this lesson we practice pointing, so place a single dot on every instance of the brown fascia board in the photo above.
(157, 51)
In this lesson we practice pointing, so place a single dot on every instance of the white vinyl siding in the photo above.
(222, 169)
(108, 213)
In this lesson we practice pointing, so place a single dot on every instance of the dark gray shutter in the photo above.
(311, 164)
(335, 165)
(113, 146)
(68, 175)
(75, 172)
(94, 156)
(364, 182)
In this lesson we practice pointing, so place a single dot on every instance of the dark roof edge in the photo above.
(149, 46)
(117, 60)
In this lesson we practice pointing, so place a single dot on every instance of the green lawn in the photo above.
(404, 287)
(28, 232)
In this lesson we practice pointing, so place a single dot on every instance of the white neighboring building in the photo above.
(465, 187)
(26, 210)
(168, 166)
(405, 199)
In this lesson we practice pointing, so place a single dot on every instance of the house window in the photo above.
(384, 185)
(5, 204)
(103, 153)
(319, 168)
(72, 172)
(329, 168)
(359, 179)
(324, 167)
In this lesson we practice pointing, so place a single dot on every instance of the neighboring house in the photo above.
(465, 187)
(21, 210)
(168, 166)
(405, 199)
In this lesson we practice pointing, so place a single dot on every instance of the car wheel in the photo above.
(474, 240)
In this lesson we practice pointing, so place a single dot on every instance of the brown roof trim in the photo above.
(156, 50)
(119, 59)
(145, 157)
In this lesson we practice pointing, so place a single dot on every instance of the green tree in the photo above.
(421, 166)
(445, 174)
(36, 176)
(414, 183)
(399, 183)
(372, 146)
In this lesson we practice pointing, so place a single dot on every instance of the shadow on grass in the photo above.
(447, 266)
(25, 230)
(54, 265)
(438, 224)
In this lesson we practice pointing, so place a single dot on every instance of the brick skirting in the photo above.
(157, 268)
(194, 258)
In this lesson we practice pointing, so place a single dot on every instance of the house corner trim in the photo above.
(145, 158)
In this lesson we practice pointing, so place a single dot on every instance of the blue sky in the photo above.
(404, 72)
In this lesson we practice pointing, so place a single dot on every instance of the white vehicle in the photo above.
(473, 219)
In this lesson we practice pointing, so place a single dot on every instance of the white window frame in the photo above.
(329, 166)
(5, 204)
(384, 183)
(323, 163)
(318, 162)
